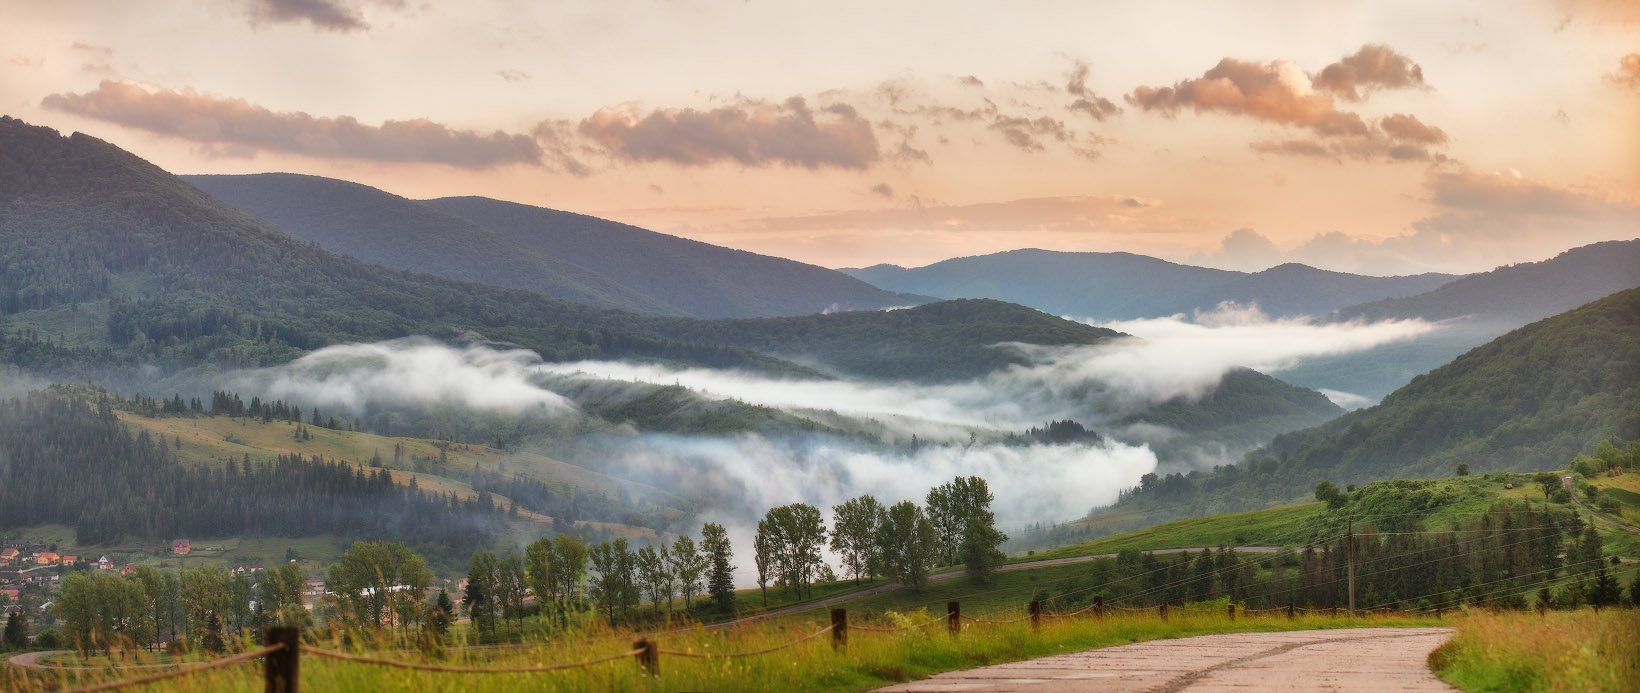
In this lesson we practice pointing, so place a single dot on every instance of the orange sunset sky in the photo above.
(1376, 137)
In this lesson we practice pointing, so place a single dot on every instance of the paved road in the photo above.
(956, 573)
(1353, 659)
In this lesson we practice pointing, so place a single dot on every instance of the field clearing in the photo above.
(1234, 529)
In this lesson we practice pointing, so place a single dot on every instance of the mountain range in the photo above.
(1122, 286)
(569, 256)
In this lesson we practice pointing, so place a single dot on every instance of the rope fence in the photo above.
(283, 650)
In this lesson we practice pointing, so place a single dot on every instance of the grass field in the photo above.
(871, 658)
(1560, 651)
(1283, 524)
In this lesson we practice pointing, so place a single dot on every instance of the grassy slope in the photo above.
(1568, 651)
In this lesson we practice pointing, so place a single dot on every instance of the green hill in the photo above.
(1531, 399)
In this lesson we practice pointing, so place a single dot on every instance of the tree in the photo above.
(950, 508)
(16, 634)
(510, 584)
(279, 594)
(1548, 481)
(854, 534)
(569, 560)
(1327, 492)
(614, 585)
(719, 556)
(652, 574)
(98, 610)
(1605, 590)
(910, 545)
(480, 597)
(763, 555)
(795, 534)
(688, 567)
(539, 572)
(980, 552)
(444, 613)
(1463, 469)
(379, 583)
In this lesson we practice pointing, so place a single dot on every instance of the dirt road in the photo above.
(1353, 659)
(953, 574)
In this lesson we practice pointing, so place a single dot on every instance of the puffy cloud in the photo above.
(1374, 67)
(1088, 103)
(1277, 92)
(1509, 194)
(1407, 128)
(752, 133)
(970, 81)
(1028, 133)
(228, 123)
(883, 189)
(513, 75)
(1628, 72)
(328, 15)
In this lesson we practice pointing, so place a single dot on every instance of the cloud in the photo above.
(1374, 67)
(1628, 72)
(1277, 92)
(1028, 133)
(970, 81)
(1480, 220)
(1088, 103)
(412, 370)
(326, 15)
(1407, 128)
(227, 122)
(883, 189)
(513, 75)
(1069, 214)
(751, 133)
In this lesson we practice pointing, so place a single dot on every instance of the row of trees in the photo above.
(565, 575)
(903, 541)
(205, 605)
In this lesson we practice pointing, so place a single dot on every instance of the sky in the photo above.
(1374, 137)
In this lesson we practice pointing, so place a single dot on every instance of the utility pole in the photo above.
(1349, 557)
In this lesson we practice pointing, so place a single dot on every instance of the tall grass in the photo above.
(871, 659)
(1558, 651)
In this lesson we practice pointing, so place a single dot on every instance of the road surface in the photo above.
(956, 573)
(1352, 659)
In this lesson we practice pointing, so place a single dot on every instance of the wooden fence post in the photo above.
(839, 629)
(1099, 606)
(1230, 610)
(280, 668)
(1161, 610)
(649, 656)
(1036, 615)
(953, 618)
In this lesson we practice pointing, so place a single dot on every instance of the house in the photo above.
(71, 559)
(47, 558)
(105, 563)
(12, 594)
(180, 547)
(244, 568)
(9, 554)
(128, 569)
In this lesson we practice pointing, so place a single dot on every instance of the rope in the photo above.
(896, 629)
(730, 655)
(997, 623)
(320, 652)
(184, 671)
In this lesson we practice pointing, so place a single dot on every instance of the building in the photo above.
(71, 559)
(105, 563)
(9, 554)
(180, 547)
(47, 558)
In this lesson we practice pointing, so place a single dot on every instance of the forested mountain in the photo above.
(570, 256)
(1473, 310)
(688, 277)
(1115, 286)
(1531, 399)
(949, 340)
(1520, 293)
(385, 229)
(110, 262)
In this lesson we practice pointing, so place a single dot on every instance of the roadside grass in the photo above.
(871, 659)
(1561, 651)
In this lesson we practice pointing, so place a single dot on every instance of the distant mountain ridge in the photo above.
(1121, 286)
(574, 257)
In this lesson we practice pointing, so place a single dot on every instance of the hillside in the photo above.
(687, 277)
(1118, 286)
(384, 229)
(949, 340)
(570, 256)
(1245, 410)
(110, 265)
(1520, 293)
(1531, 399)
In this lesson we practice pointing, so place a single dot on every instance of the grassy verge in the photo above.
(871, 659)
(1562, 651)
